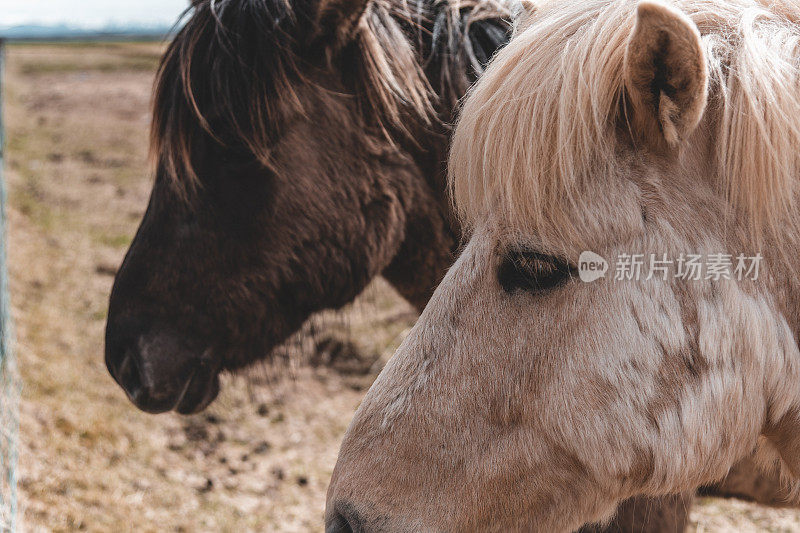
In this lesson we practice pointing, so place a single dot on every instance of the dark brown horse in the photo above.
(300, 152)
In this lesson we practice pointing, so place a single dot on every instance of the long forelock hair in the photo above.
(542, 118)
(232, 72)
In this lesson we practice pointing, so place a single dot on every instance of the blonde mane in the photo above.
(545, 116)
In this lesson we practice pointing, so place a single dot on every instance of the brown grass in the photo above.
(261, 458)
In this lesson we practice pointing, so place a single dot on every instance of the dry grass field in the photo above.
(260, 459)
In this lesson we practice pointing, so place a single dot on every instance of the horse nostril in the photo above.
(130, 378)
(339, 524)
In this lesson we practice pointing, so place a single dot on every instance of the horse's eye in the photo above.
(533, 272)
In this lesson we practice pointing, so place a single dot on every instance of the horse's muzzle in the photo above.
(158, 374)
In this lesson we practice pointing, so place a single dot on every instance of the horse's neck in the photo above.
(450, 73)
(433, 234)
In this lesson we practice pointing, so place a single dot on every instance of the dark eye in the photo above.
(533, 272)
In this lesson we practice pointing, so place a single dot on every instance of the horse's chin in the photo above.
(200, 392)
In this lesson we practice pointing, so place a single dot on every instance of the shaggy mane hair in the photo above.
(232, 71)
(542, 118)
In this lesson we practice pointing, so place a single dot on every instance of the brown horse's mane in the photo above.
(234, 68)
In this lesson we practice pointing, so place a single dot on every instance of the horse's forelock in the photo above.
(233, 68)
(543, 117)
(222, 77)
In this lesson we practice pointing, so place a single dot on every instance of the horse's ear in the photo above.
(336, 21)
(666, 76)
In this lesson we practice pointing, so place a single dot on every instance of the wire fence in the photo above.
(9, 391)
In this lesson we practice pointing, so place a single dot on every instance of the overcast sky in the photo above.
(90, 12)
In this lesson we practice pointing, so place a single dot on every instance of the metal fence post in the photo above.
(9, 404)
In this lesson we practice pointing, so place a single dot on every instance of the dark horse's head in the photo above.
(299, 149)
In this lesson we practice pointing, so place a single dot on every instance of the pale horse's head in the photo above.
(542, 384)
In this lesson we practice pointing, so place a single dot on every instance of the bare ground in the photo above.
(260, 459)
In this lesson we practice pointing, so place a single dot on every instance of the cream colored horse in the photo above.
(543, 385)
